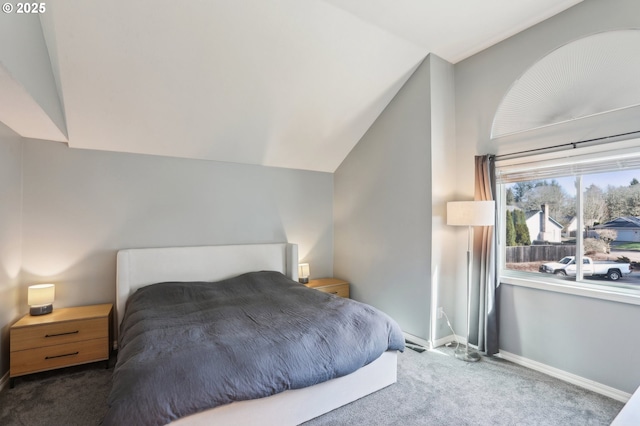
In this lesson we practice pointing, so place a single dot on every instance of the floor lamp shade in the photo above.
(470, 214)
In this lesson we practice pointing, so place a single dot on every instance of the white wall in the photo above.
(561, 331)
(10, 236)
(81, 206)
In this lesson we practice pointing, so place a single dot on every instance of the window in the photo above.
(572, 217)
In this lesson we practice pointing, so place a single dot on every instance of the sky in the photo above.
(617, 178)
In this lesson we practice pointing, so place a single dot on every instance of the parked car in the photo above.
(567, 267)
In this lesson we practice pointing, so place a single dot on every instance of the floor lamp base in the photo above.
(468, 355)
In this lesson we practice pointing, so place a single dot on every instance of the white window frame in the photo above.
(580, 287)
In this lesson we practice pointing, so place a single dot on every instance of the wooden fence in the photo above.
(536, 253)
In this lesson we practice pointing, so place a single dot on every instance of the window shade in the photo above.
(568, 163)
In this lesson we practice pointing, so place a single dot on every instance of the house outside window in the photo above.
(572, 219)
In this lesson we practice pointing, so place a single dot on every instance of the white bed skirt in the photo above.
(296, 406)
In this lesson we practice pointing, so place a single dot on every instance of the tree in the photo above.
(550, 193)
(608, 236)
(633, 200)
(616, 199)
(634, 181)
(521, 188)
(593, 246)
(521, 228)
(522, 235)
(595, 206)
(511, 230)
(510, 197)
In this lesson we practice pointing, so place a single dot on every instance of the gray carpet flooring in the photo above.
(433, 388)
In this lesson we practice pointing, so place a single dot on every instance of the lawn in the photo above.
(628, 246)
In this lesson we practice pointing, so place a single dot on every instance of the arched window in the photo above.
(590, 76)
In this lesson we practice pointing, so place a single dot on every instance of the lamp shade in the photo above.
(303, 270)
(41, 294)
(303, 273)
(471, 213)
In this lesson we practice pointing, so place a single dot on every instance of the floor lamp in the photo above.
(470, 214)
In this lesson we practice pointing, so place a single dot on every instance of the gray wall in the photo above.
(382, 210)
(595, 339)
(562, 331)
(444, 238)
(10, 238)
(25, 57)
(391, 238)
(81, 206)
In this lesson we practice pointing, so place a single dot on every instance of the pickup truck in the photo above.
(567, 267)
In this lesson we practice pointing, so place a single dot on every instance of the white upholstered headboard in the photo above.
(140, 267)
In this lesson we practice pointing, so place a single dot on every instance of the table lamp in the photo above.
(40, 298)
(303, 273)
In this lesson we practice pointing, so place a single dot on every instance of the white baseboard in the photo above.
(4, 381)
(567, 377)
(419, 340)
(436, 343)
(591, 385)
(449, 339)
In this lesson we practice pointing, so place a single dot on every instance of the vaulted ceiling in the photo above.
(284, 83)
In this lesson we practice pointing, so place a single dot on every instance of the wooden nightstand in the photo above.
(330, 285)
(65, 337)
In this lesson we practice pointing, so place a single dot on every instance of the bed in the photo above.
(190, 270)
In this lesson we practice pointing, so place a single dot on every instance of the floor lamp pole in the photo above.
(470, 214)
(467, 354)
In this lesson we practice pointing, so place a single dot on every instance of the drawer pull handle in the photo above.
(62, 334)
(60, 356)
(334, 292)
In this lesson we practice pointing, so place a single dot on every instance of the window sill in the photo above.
(585, 289)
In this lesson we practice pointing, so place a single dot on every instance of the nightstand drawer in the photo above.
(341, 290)
(330, 285)
(41, 359)
(37, 336)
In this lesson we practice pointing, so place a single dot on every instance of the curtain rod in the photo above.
(573, 145)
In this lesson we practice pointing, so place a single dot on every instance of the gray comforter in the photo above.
(187, 347)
